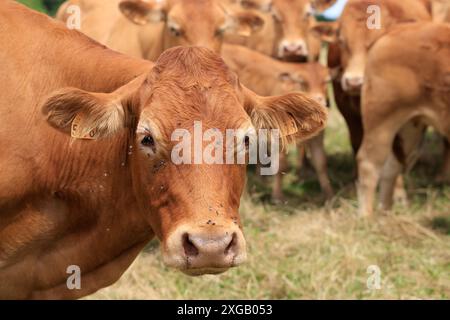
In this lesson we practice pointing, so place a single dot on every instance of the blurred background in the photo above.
(303, 249)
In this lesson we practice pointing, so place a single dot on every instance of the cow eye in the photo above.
(220, 32)
(148, 141)
(175, 31)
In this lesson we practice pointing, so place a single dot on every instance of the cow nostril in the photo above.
(232, 245)
(189, 248)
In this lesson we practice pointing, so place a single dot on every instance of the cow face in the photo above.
(292, 18)
(191, 22)
(191, 207)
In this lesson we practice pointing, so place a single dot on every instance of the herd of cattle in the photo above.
(86, 179)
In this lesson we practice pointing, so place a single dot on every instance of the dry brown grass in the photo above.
(313, 254)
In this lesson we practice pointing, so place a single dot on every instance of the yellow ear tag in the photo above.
(76, 131)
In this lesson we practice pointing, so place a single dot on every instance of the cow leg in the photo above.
(319, 161)
(375, 148)
(277, 190)
(300, 158)
(444, 173)
(391, 181)
(405, 154)
(349, 107)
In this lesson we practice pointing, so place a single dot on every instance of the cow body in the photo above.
(45, 180)
(93, 200)
(410, 67)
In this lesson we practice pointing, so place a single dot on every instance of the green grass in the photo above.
(305, 250)
(34, 4)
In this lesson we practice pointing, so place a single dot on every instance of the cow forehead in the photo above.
(290, 6)
(205, 12)
(190, 83)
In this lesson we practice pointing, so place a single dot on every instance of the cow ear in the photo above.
(142, 12)
(297, 116)
(326, 31)
(248, 23)
(84, 115)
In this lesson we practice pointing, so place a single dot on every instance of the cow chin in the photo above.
(199, 250)
(204, 271)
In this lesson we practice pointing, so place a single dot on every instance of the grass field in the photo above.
(305, 250)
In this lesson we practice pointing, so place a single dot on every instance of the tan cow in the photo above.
(408, 79)
(87, 177)
(267, 76)
(145, 28)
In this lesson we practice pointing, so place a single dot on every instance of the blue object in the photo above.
(334, 12)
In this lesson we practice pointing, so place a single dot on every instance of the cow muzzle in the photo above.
(352, 83)
(293, 49)
(209, 249)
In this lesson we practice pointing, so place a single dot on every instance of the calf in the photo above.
(407, 79)
(267, 76)
(87, 174)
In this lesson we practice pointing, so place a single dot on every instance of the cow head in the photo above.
(311, 78)
(192, 208)
(292, 18)
(191, 22)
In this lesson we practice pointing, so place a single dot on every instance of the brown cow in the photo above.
(94, 200)
(145, 28)
(408, 79)
(267, 76)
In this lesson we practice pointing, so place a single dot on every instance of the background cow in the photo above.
(410, 66)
